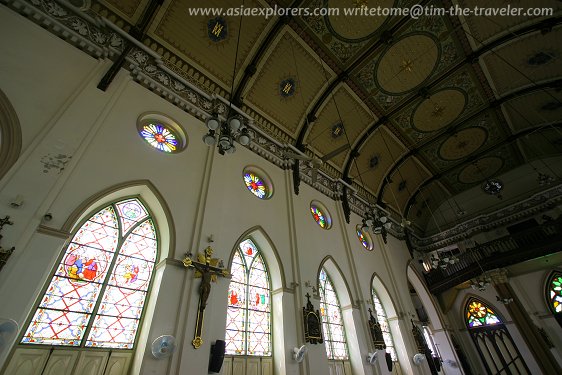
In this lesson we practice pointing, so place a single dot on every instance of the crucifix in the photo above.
(207, 268)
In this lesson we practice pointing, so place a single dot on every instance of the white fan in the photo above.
(299, 353)
(371, 358)
(8, 330)
(314, 162)
(163, 346)
(418, 359)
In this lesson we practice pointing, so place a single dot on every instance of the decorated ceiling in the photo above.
(430, 107)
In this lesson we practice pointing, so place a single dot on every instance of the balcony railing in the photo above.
(529, 244)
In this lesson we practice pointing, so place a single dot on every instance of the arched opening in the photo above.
(10, 135)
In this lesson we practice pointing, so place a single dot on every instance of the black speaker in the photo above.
(217, 356)
(389, 363)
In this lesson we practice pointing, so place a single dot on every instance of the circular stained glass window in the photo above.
(320, 215)
(364, 238)
(257, 182)
(161, 132)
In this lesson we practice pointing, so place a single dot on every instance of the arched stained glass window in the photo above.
(385, 328)
(98, 291)
(478, 314)
(554, 292)
(332, 324)
(248, 324)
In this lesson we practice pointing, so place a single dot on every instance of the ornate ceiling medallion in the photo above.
(407, 63)
(217, 29)
(463, 143)
(287, 87)
(541, 58)
(337, 130)
(441, 109)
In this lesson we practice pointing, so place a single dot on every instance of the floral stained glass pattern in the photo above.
(385, 328)
(248, 327)
(256, 185)
(159, 137)
(319, 217)
(555, 293)
(332, 324)
(364, 238)
(108, 262)
(480, 315)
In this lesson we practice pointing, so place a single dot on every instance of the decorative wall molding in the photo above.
(533, 205)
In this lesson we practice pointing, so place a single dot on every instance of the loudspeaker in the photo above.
(217, 356)
(388, 358)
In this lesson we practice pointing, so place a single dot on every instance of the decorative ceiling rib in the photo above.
(429, 107)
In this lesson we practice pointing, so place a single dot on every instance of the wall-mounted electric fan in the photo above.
(163, 346)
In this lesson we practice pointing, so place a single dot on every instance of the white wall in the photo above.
(194, 194)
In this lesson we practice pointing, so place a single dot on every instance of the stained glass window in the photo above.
(97, 294)
(159, 136)
(364, 238)
(320, 215)
(555, 293)
(385, 328)
(256, 185)
(248, 324)
(332, 324)
(478, 314)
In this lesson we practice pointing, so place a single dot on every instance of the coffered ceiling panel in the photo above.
(480, 133)
(445, 105)
(210, 42)
(494, 163)
(287, 82)
(127, 8)
(481, 28)
(344, 37)
(404, 182)
(526, 61)
(343, 119)
(420, 51)
(376, 157)
(435, 100)
(536, 108)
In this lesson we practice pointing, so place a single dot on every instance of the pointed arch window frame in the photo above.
(247, 287)
(551, 293)
(87, 215)
(383, 321)
(326, 323)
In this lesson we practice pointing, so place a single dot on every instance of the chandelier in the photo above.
(225, 133)
(442, 262)
(377, 222)
(480, 283)
(544, 179)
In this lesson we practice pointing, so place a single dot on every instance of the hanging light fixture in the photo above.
(377, 222)
(226, 132)
(443, 261)
(480, 283)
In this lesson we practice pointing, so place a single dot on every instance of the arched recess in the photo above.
(10, 135)
(137, 188)
(393, 319)
(441, 337)
(553, 294)
(340, 283)
(235, 363)
(159, 213)
(266, 246)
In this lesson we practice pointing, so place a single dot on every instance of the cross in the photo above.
(208, 269)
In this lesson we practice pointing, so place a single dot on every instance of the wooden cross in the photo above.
(207, 269)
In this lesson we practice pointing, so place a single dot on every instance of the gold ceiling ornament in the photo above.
(437, 110)
(363, 4)
(407, 65)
